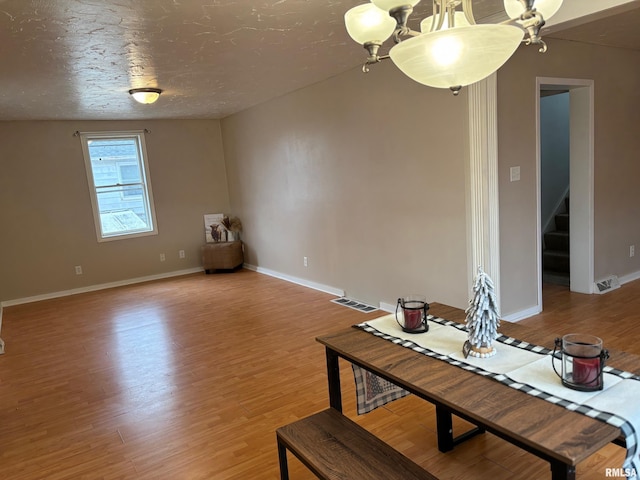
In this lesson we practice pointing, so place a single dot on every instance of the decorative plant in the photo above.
(232, 225)
(482, 318)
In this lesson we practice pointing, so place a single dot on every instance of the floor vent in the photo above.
(347, 302)
(607, 284)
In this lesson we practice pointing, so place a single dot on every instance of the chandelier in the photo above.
(451, 50)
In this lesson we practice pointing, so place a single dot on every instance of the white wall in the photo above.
(45, 210)
(616, 74)
(364, 175)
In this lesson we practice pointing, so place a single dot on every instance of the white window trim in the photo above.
(140, 134)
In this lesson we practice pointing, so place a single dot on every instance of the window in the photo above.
(119, 183)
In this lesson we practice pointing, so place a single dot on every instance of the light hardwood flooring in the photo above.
(188, 378)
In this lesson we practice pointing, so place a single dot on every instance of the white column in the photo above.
(483, 217)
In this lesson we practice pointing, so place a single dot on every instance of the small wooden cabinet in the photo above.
(222, 256)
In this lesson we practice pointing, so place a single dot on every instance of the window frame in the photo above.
(145, 182)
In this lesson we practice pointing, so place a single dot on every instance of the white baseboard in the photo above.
(299, 281)
(530, 312)
(629, 278)
(102, 286)
(522, 314)
(387, 307)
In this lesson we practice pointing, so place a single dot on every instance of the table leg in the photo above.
(333, 375)
(562, 471)
(446, 440)
(282, 460)
(444, 425)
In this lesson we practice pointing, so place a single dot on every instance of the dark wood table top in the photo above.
(554, 431)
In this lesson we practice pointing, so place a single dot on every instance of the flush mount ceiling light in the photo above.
(145, 95)
(451, 50)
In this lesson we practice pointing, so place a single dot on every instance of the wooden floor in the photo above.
(188, 378)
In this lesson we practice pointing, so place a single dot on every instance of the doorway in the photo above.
(580, 206)
(554, 186)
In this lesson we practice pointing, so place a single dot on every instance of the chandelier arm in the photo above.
(450, 14)
(403, 32)
(438, 15)
(510, 21)
(412, 33)
(543, 46)
(535, 20)
(467, 8)
(532, 22)
(372, 61)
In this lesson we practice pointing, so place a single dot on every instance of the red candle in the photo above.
(412, 319)
(586, 371)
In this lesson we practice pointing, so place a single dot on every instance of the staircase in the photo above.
(555, 254)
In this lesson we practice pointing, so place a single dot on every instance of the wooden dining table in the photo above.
(562, 437)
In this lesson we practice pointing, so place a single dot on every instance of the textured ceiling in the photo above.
(77, 59)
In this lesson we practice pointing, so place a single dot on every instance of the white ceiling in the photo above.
(77, 59)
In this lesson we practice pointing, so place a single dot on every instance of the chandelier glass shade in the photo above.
(367, 23)
(458, 56)
(451, 50)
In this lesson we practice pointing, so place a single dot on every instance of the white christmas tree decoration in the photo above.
(482, 317)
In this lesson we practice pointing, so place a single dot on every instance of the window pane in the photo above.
(129, 173)
(129, 210)
(106, 157)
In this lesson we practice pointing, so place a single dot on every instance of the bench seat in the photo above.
(334, 447)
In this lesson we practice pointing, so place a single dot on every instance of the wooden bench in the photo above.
(334, 447)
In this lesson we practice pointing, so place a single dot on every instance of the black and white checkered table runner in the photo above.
(632, 462)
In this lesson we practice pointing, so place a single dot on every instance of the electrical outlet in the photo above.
(78, 270)
(632, 250)
(514, 174)
(181, 254)
(305, 260)
(162, 257)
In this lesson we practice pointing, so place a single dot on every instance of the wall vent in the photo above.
(607, 284)
(347, 302)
